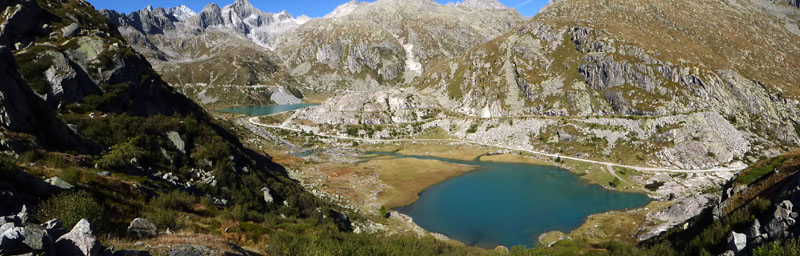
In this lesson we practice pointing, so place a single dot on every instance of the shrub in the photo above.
(7, 167)
(121, 154)
(790, 247)
(71, 207)
(352, 131)
(56, 161)
(473, 128)
(383, 212)
(71, 175)
(615, 183)
(32, 67)
(654, 186)
(241, 213)
(254, 232)
(163, 209)
(30, 156)
(164, 218)
(174, 200)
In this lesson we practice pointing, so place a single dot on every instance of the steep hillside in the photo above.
(754, 217)
(81, 109)
(650, 60)
(358, 46)
(387, 42)
(219, 57)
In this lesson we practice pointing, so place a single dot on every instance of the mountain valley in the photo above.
(120, 123)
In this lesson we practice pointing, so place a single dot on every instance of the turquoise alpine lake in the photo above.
(266, 110)
(510, 204)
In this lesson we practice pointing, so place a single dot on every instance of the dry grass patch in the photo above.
(463, 152)
(620, 226)
(406, 178)
(515, 158)
(161, 244)
(458, 152)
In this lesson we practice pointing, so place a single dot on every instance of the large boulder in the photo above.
(267, 197)
(11, 240)
(755, 230)
(176, 139)
(737, 242)
(79, 241)
(141, 227)
(10, 219)
(68, 82)
(71, 30)
(36, 239)
(60, 183)
(783, 218)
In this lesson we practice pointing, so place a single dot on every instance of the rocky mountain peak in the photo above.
(482, 4)
(210, 8)
(242, 8)
(181, 12)
(343, 10)
(242, 3)
(282, 16)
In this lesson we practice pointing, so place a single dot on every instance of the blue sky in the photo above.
(313, 8)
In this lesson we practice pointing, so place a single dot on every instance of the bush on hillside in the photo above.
(71, 207)
(7, 167)
(164, 209)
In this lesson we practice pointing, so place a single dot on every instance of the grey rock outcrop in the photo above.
(755, 229)
(363, 46)
(737, 241)
(71, 30)
(782, 219)
(177, 141)
(50, 238)
(11, 240)
(374, 108)
(240, 18)
(68, 82)
(142, 228)
(79, 241)
(20, 237)
(267, 196)
(60, 183)
(37, 239)
(21, 109)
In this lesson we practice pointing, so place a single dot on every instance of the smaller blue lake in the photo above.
(510, 204)
(266, 110)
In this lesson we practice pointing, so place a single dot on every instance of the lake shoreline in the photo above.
(485, 168)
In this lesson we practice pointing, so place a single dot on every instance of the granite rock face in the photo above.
(240, 18)
(20, 237)
(374, 108)
(373, 44)
(79, 241)
(737, 241)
